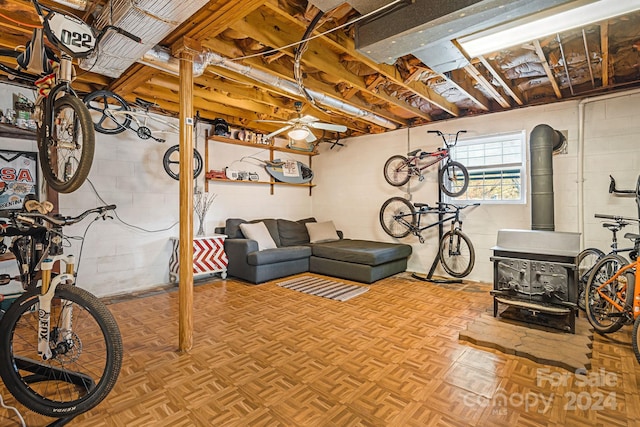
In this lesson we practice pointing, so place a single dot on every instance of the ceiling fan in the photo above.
(299, 129)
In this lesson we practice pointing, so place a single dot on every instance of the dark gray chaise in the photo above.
(359, 260)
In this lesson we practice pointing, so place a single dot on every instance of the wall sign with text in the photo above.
(18, 178)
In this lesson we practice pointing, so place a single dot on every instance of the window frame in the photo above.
(488, 138)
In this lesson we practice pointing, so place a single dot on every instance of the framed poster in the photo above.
(18, 178)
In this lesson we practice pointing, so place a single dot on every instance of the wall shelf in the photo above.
(270, 148)
(11, 131)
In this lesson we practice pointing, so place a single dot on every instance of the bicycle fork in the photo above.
(47, 292)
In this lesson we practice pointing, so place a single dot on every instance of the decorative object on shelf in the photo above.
(289, 171)
(202, 201)
(221, 128)
(216, 174)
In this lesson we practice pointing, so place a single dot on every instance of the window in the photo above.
(496, 166)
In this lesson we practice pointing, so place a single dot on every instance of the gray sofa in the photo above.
(359, 260)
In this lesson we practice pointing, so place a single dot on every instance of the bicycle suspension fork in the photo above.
(45, 297)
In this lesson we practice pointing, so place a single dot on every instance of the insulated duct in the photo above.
(542, 142)
(75, 4)
(292, 88)
(151, 20)
(160, 58)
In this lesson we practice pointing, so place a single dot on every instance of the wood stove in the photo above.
(535, 276)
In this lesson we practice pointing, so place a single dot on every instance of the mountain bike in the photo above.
(399, 218)
(453, 177)
(111, 114)
(60, 347)
(589, 257)
(65, 137)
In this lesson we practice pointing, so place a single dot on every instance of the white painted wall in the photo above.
(350, 189)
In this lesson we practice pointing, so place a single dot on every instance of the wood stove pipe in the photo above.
(542, 142)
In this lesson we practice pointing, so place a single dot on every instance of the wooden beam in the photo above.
(269, 30)
(186, 49)
(477, 75)
(547, 68)
(604, 45)
(513, 93)
(459, 80)
(338, 41)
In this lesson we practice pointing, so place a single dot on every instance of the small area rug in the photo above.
(321, 287)
(542, 345)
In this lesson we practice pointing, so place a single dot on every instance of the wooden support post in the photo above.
(185, 50)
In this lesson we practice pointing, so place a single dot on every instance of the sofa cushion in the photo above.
(232, 228)
(322, 231)
(233, 231)
(292, 233)
(361, 251)
(259, 233)
(270, 256)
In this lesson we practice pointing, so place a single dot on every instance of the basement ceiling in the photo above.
(399, 67)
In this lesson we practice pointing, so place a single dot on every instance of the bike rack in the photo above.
(40, 371)
(429, 277)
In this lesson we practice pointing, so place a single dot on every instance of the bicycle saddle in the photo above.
(145, 104)
(422, 206)
(413, 153)
(35, 58)
(614, 227)
(632, 236)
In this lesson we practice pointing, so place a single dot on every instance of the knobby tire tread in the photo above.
(387, 165)
(86, 152)
(443, 259)
(599, 275)
(113, 344)
(384, 215)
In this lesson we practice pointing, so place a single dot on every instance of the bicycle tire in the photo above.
(100, 104)
(602, 315)
(391, 210)
(453, 179)
(396, 170)
(635, 338)
(168, 160)
(66, 156)
(460, 261)
(94, 359)
(587, 259)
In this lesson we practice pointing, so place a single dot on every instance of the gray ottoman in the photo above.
(359, 260)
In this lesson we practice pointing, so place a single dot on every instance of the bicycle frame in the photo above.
(142, 119)
(635, 292)
(435, 157)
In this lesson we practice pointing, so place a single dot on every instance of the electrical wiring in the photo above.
(304, 40)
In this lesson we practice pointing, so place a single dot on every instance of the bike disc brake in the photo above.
(144, 132)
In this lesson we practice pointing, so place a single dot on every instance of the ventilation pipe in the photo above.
(160, 58)
(542, 142)
(292, 88)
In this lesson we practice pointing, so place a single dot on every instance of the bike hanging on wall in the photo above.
(112, 114)
(65, 136)
(453, 177)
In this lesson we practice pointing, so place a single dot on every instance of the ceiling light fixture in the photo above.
(544, 24)
(298, 133)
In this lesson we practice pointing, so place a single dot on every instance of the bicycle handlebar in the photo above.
(29, 217)
(445, 135)
(616, 217)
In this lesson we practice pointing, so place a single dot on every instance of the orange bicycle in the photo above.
(613, 300)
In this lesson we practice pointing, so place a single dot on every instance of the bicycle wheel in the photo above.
(106, 109)
(397, 217)
(456, 253)
(602, 315)
(396, 170)
(635, 338)
(586, 260)
(67, 154)
(86, 361)
(453, 179)
(171, 162)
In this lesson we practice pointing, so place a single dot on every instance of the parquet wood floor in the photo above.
(268, 356)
